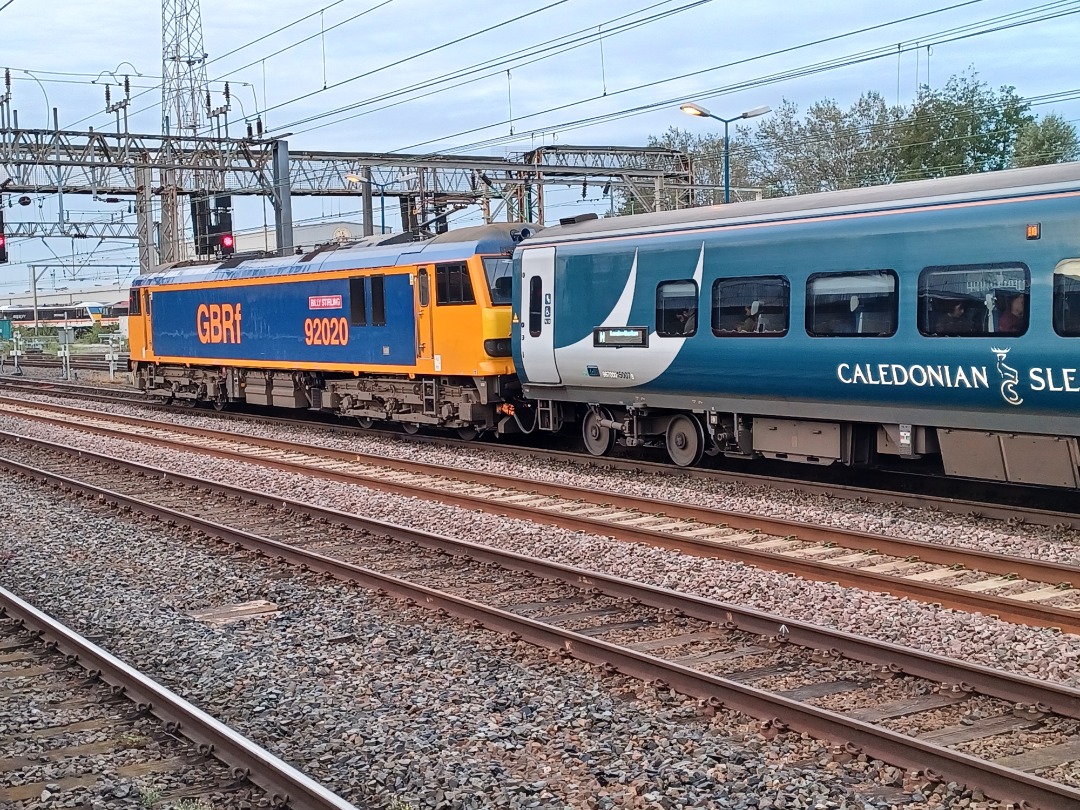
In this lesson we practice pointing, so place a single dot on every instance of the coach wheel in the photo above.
(221, 401)
(685, 440)
(410, 427)
(365, 422)
(598, 439)
(467, 433)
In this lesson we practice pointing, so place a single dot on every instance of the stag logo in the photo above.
(1009, 378)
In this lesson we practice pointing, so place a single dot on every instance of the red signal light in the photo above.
(226, 244)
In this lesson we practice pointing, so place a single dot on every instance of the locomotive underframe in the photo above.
(450, 402)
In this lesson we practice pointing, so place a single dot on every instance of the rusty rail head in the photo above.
(284, 784)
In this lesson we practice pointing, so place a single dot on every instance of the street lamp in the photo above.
(696, 109)
(355, 178)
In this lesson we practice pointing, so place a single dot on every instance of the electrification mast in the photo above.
(183, 104)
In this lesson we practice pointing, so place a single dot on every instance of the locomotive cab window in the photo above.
(1067, 298)
(453, 285)
(500, 279)
(974, 300)
(751, 306)
(134, 307)
(676, 308)
(856, 304)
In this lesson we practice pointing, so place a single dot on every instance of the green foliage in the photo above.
(961, 128)
(1051, 140)
(149, 797)
(964, 127)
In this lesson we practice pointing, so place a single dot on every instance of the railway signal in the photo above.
(226, 244)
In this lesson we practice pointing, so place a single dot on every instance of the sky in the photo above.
(578, 60)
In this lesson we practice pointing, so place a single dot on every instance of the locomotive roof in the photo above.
(898, 196)
(454, 245)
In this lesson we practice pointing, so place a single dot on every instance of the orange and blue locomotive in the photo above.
(416, 333)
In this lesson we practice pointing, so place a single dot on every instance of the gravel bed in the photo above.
(965, 531)
(396, 707)
(1040, 652)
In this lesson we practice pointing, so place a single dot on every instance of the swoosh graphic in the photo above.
(645, 363)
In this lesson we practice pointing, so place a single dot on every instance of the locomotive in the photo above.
(932, 318)
(415, 333)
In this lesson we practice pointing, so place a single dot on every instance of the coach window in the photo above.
(378, 301)
(676, 308)
(453, 285)
(536, 305)
(134, 307)
(857, 304)
(751, 306)
(358, 301)
(974, 300)
(1067, 298)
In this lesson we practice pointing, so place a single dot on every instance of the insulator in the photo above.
(259, 126)
(208, 105)
(226, 91)
(249, 129)
(7, 78)
(108, 96)
(127, 85)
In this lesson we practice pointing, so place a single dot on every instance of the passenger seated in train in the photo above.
(955, 319)
(750, 322)
(1011, 321)
(688, 319)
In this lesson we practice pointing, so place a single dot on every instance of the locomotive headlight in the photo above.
(497, 347)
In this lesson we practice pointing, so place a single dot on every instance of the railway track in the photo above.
(145, 734)
(915, 710)
(1009, 503)
(1014, 588)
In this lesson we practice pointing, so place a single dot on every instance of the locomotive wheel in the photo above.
(598, 439)
(467, 433)
(410, 427)
(685, 440)
(365, 422)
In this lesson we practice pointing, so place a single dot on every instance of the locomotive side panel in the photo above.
(323, 323)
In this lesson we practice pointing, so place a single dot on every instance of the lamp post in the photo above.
(355, 178)
(696, 109)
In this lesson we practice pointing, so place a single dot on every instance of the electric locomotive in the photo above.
(416, 333)
(933, 318)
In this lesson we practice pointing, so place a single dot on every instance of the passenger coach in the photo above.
(929, 318)
(415, 333)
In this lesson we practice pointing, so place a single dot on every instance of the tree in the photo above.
(963, 128)
(829, 148)
(1050, 140)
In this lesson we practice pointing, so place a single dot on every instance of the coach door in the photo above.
(424, 329)
(538, 315)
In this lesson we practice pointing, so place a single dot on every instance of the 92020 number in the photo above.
(326, 331)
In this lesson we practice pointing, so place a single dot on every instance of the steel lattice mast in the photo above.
(183, 106)
(183, 68)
